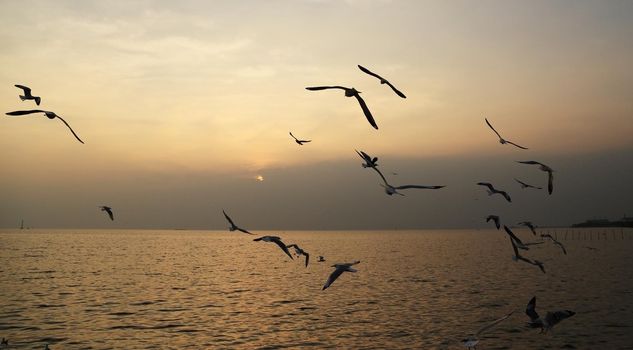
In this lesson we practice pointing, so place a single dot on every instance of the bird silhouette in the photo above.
(350, 92)
(382, 80)
(49, 115)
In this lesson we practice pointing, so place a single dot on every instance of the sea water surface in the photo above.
(428, 289)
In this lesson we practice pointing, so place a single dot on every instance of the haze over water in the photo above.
(125, 289)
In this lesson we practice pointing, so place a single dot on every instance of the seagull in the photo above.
(50, 115)
(501, 139)
(547, 235)
(591, 248)
(524, 185)
(300, 142)
(349, 92)
(471, 341)
(369, 161)
(382, 81)
(518, 257)
(492, 190)
(300, 252)
(107, 210)
(320, 258)
(27, 94)
(339, 269)
(550, 173)
(551, 318)
(529, 225)
(234, 227)
(391, 190)
(494, 218)
(277, 241)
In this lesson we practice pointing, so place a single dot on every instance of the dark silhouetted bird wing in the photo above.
(493, 129)
(31, 111)
(512, 235)
(26, 89)
(404, 187)
(550, 182)
(487, 184)
(398, 92)
(366, 111)
(317, 88)
(283, 247)
(333, 277)
(530, 310)
(514, 144)
(228, 218)
(71, 129)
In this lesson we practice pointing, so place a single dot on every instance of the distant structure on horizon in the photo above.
(624, 222)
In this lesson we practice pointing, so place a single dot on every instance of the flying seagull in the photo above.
(107, 210)
(471, 341)
(492, 190)
(494, 218)
(382, 81)
(277, 241)
(501, 139)
(349, 92)
(339, 269)
(50, 115)
(300, 142)
(234, 227)
(391, 190)
(551, 318)
(518, 257)
(543, 167)
(529, 225)
(320, 258)
(524, 185)
(300, 252)
(369, 161)
(547, 235)
(27, 94)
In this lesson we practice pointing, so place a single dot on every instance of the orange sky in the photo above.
(214, 87)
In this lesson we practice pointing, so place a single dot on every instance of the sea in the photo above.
(418, 289)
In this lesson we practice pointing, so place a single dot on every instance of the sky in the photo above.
(183, 105)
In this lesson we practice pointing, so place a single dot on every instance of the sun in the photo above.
(259, 178)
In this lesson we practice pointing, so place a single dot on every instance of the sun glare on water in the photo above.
(259, 178)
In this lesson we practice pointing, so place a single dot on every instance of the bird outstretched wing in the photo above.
(404, 187)
(31, 111)
(493, 129)
(27, 90)
(366, 111)
(71, 129)
(512, 143)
